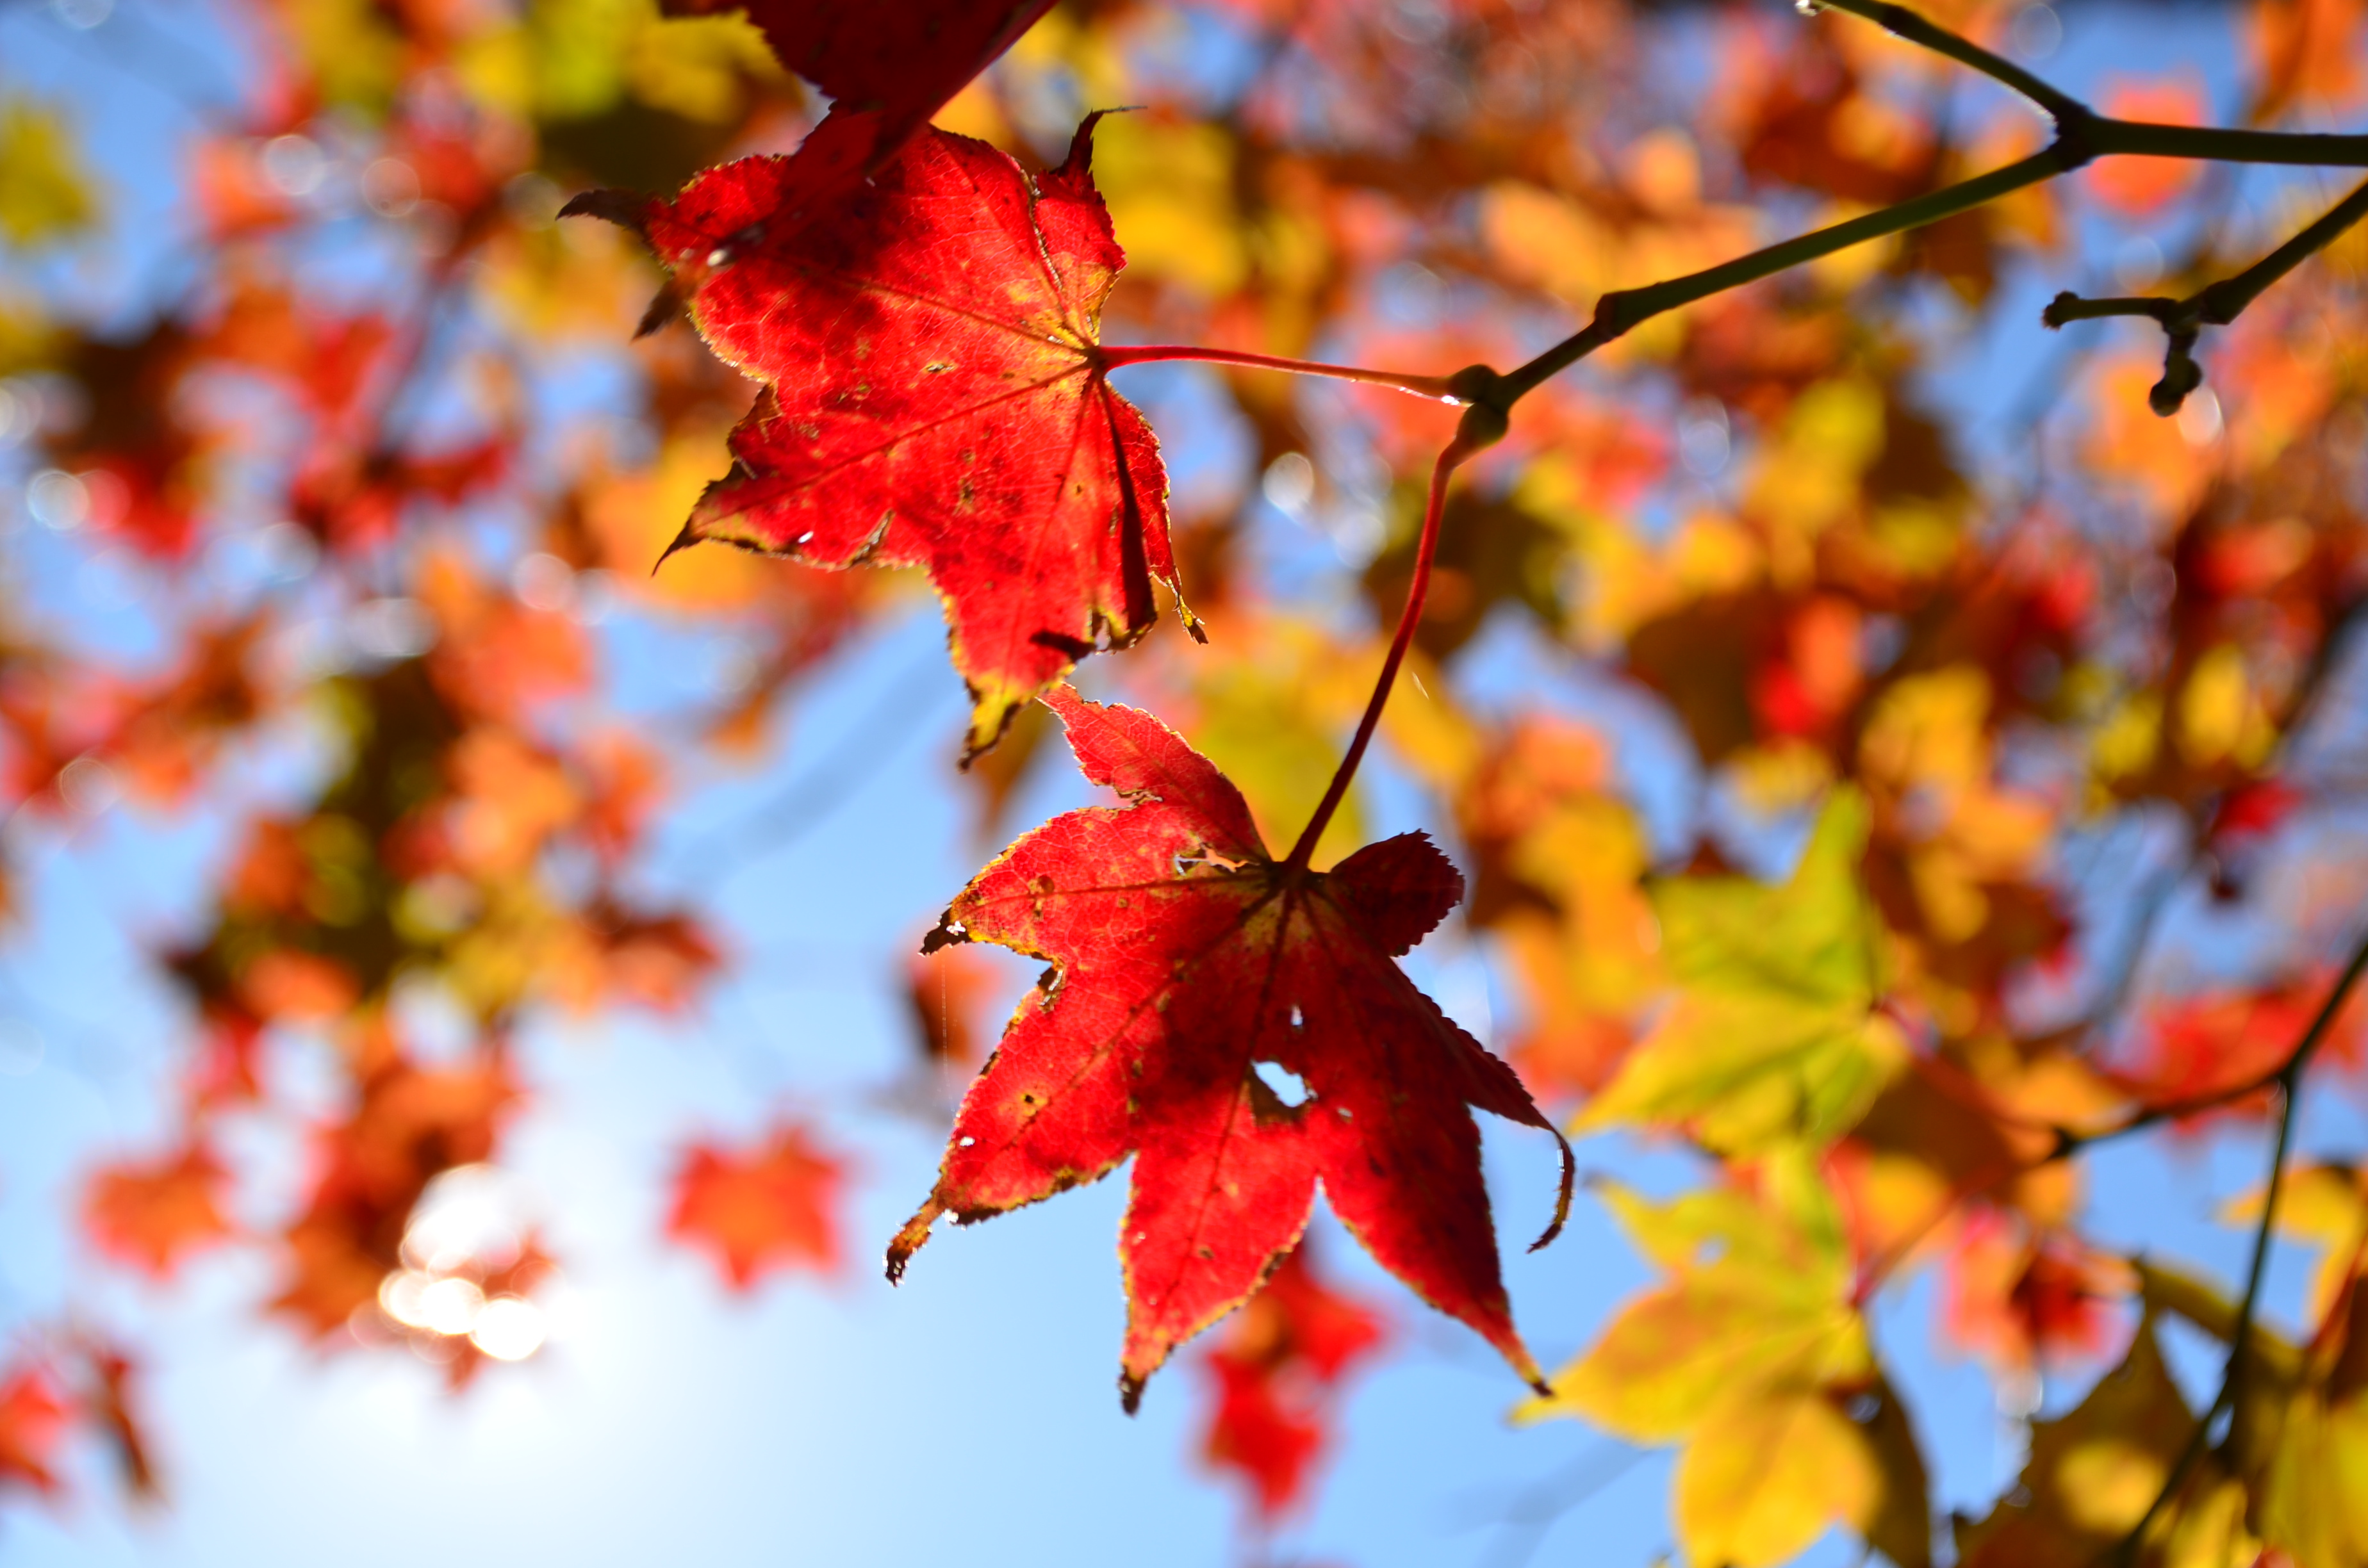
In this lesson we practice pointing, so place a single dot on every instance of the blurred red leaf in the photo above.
(2198, 1047)
(152, 1214)
(412, 1124)
(1275, 1379)
(2020, 1301)
(773, 1206)
(32, 1423)
(945, 989)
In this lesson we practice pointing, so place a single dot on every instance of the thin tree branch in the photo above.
(2082, 135)
(2216, 304)
(807, 802)
(2285, 1075)
(2103, 137)
(1620, 312)
(1903, 23)
(2287, 1079)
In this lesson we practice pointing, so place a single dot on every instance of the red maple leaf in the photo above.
(771, 1207)
(1275, 1377)
(887, 68)
(2021, 1301)
(2201, 1048)
(1191, 972)
(935, 395)
(32, 1422)
(153, 1214)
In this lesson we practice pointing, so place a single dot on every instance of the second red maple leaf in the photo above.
(1237, 1025)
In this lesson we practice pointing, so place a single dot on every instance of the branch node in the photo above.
(2075, 145)
(1480, 386)
(2180, 375)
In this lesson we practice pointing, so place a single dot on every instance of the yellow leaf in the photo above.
(1769, 1470)
(44, 193)
(350, 49)
(1807, 479)
(1759, 1293)
(696, 66)
(1170, 190)
(2326, 1207)
(2219, 716)
(2303, 1508)
(2092, 1472)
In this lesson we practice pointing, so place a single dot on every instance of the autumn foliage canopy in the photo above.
(1767, 599)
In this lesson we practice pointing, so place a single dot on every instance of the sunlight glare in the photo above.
(509, 1328)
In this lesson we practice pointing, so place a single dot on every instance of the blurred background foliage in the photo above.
(1881, 751)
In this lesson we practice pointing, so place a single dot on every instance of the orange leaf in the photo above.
(151, 1215)
(773, 1206)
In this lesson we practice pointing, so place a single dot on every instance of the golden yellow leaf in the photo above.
(2092, 1472)
(45, 195)
(1769, 1470)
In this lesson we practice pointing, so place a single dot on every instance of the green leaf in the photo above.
(1774, 1037)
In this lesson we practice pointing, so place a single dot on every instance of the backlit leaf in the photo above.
(1775, 1033)
(934, 396)
(1238, 1026)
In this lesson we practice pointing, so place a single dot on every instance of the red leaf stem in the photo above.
(1440, 389)
(1449, 461)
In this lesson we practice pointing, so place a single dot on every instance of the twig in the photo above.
(2287, 1079)
(1438, 388)
(1906, 24)
(1538, 1508)
(2216, 304)
(2082, 136)
(1621, 310)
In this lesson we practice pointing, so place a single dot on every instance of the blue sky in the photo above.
(970, 1415)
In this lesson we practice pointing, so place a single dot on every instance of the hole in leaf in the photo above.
(1298, 1019)
(1288, 1086)
(966, 1143)
(1865, 1408)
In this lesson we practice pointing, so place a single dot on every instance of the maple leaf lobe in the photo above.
(1186, 957)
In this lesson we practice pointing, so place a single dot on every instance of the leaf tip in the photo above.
(1130, 1391)
(664, 306)
(1561, 1199)
(683, 540)
(626, 208)
(911, 1239)
(948, 932)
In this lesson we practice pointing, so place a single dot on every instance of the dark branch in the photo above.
(2287, 1080)
(2216, 305)
(1903, 23)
